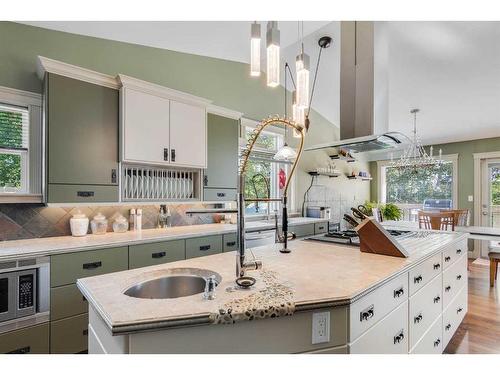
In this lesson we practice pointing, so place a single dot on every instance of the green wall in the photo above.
(465, 151)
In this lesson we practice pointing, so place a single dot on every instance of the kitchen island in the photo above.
(321, 298)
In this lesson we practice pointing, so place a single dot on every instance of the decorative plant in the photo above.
(389, 211)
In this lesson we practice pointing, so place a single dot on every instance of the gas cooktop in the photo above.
(350, 237)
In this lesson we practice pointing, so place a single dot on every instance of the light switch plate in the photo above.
(321, 327)
(470, 198)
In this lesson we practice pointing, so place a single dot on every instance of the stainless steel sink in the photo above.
(179, 282)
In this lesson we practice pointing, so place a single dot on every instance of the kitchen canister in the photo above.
(99, 224)
(120, 224)
(79, 224)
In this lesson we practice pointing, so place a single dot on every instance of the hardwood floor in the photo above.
(480, 330)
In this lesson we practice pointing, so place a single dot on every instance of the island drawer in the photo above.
(453, 315)
(156, 253)
(424, 272)
(67, 268)
(29, 340)
(453, 252)
(70, 335)
(320, 228)
(454, 278)
(425, 306)
(367, 311)
(432, 341)
(229, 242)
(302, 230)
(201, 246)
(389, 336)
(66, 301)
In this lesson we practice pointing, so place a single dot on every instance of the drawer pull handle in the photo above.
(417, 279)
(92, 266)
(459, 251)
(447, 259)
(23, 350)
(418, 318)
(161, 254)
(399, 337)
(366, 314)
(459, 277)
(232, 243)
(448, 326)
(437, 266)
(84, 194)
(459, 310)
(399, 292)
(447, 289)
(165, 154)
(85, 332)
(437, 342)
(437, 299)
(221, 195)
(205, 248)
(321, 228)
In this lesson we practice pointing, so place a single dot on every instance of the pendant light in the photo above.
(302, 69)
(255, 50)
(285, 153)
(273, 54)
(298, 114)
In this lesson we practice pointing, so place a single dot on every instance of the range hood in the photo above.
(364, 118)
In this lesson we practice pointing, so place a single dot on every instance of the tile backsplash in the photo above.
(23, 221)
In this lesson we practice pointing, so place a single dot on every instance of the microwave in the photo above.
(18, 294)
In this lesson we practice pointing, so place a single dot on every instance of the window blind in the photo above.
(14, 127)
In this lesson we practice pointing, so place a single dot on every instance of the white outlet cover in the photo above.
(321, 327)
(470, 198)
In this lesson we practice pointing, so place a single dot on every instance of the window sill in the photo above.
(20, 198)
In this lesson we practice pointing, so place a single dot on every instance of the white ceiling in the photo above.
(450, 70)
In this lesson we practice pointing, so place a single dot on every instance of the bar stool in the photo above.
(436, 220)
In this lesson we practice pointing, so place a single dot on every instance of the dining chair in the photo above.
(436, 220)
(494, 259)
(460, 217)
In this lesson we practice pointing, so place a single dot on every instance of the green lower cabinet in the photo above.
(29, 340)
(229, 242)
(302, 230)
(69, 335)
(201, 246)
(66, 301)
(156, 253)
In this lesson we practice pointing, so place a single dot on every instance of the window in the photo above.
(262, 179)
(409, 190)
(14, 141)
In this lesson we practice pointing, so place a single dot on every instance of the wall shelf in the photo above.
(344, 158)
(326, 174)
(351, 177)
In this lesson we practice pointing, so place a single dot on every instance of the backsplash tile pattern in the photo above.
(23, 221)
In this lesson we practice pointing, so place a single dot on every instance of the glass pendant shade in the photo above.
(298, 115)
(302, 68)
(273, 54)
(255, 50)
(285, 153)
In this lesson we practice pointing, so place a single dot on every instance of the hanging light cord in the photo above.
(314, 81)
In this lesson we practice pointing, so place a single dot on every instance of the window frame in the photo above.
(24, 155)
(381, 181)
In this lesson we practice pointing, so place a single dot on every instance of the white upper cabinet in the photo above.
(161, 126)
(146, 130)
(188, 135)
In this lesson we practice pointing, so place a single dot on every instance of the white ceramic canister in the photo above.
(79, 224)
(120, 225)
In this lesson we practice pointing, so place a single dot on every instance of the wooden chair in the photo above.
(436, 220)
(460, 217)
(494, 259)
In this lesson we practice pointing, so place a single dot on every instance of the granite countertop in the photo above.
(314, 275)
(19, 249)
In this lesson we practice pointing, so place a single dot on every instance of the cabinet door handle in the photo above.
(437, 266)
(161, 254)
(418, 318)
(459, 251)
(437, 299)
(232, 243)
(92, 266)
(459, 277)
(113, 176)
(321, 228)
(205, 180)
(85, 332)
(447, 259)
(448, 326)
(448, 288)
(205, 247)
(437, 342)
(172, 155)
(399, 292)
(399, 337)
(459, 310)
(23, 350)
(367, 314)
(165, 154)
(221, 195)
(417, 279)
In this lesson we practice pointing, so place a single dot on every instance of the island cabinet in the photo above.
(82, 140)
(220, 177)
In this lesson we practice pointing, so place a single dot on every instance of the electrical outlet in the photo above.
(321, 327)
(470, 198)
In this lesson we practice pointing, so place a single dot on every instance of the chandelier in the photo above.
(415, 158)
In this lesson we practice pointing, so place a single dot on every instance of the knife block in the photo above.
(374, 239)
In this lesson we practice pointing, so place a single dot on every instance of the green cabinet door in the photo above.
(222, 153)
(82, 134)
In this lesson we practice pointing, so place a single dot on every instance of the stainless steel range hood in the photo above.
(364, 118)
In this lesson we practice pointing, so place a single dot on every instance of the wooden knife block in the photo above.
(373, 238)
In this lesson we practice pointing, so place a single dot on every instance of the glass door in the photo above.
(490, 204)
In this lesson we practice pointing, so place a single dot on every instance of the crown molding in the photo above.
(224, 112)
(44, 64)
(162, 91)
(20, 97)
